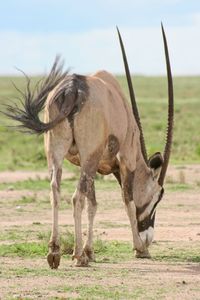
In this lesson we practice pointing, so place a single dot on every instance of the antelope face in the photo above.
(146, 218)
(147, 198)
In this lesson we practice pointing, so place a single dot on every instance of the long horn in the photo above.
(169, 134)
(132, 97)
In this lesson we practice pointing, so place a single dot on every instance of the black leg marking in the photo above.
(58, 178)
(128, 187)
(113, 145)
(118, 177)
(150, 219)
(86, 185)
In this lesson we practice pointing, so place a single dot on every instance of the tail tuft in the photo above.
(33, 102)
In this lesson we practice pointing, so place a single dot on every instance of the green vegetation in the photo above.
(70, 185)
(171, 252)
(22, 151)
(43, 184)
(106, 251)
(30, 249)
(33, 242)
(179, 187)
(151, 95)
(100, 292)
(36, 185)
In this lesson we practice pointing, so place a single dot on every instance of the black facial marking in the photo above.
(159, 199)
(146, 223)
(150, 219)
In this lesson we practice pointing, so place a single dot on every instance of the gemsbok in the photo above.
(88, 121)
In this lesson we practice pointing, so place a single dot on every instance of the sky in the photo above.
(33, 32)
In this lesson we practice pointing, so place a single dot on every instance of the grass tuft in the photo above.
(32, 249)
(106, 251)
(67, 242)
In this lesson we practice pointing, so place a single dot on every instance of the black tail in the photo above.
(33, 102)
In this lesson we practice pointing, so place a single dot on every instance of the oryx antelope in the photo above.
(88, 121)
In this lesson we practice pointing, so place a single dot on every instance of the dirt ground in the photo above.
(177, 225)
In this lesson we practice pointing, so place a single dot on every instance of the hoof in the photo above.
(53, 260)
(143, 254)
(81, 261)
(90, 254)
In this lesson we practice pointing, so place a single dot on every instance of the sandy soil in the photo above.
(13, 176)
(177, 221)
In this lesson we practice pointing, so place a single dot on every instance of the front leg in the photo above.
(85, 189)
(139, 246)
(127, 193)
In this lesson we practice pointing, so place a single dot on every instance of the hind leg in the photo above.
(53, 256)
(56, 148)
(91, 211)
(78, 201)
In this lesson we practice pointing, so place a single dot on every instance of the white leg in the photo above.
(53, 257)
(91, 211)
(78, 205)
(85, 189)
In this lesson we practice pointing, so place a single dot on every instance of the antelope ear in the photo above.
(155, 163)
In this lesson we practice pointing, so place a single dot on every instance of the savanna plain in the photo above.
(173, 272)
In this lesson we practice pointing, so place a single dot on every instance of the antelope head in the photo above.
(149, 176)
